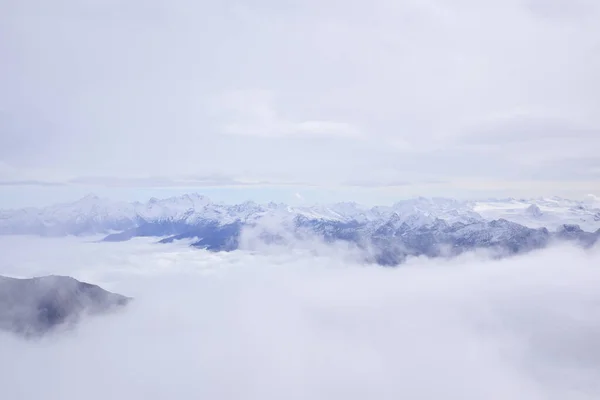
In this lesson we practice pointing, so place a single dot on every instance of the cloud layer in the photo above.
(295, 325)
(316, 91)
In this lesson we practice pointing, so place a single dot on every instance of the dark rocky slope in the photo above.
(35, 306)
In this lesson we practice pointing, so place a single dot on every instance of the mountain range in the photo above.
(388, 234)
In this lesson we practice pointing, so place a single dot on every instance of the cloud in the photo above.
(295, 325)
(314, 91)
(14, 176)
(252, 113)
(371, 183)
(191, 181)
(562, 9)
(30, 183)
(158, 181)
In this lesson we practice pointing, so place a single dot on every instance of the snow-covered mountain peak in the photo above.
(418, 226)
(534, 211)
(88, 201)
(194, 198)
(549, 212)
(89, 205)
(92, 214)
(90, 197)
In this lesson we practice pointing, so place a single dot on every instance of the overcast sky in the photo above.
(363, 99)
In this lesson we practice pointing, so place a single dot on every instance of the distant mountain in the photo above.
(94, 215)
(35, 306)
(387, 234)
(550, 212)
(534, 211)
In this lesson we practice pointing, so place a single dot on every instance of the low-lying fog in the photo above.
(292, 324)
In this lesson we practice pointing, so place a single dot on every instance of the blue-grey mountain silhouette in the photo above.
(35, 306)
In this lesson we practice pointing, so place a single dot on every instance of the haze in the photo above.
(264, 99)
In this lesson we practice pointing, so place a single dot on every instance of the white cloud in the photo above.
(291, 325)
(253, 113)
(112, 88)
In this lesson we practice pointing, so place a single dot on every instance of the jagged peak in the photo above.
(395, 217)
(193, 208)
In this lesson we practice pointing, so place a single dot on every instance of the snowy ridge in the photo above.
(550, 213)
(92, 214)
(419, 226)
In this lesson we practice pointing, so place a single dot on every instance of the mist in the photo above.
(295, 324)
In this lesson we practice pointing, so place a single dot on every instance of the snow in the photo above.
(550, 213)
(92, 214)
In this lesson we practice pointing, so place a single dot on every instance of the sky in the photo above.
(280, 100)
(316, 324)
